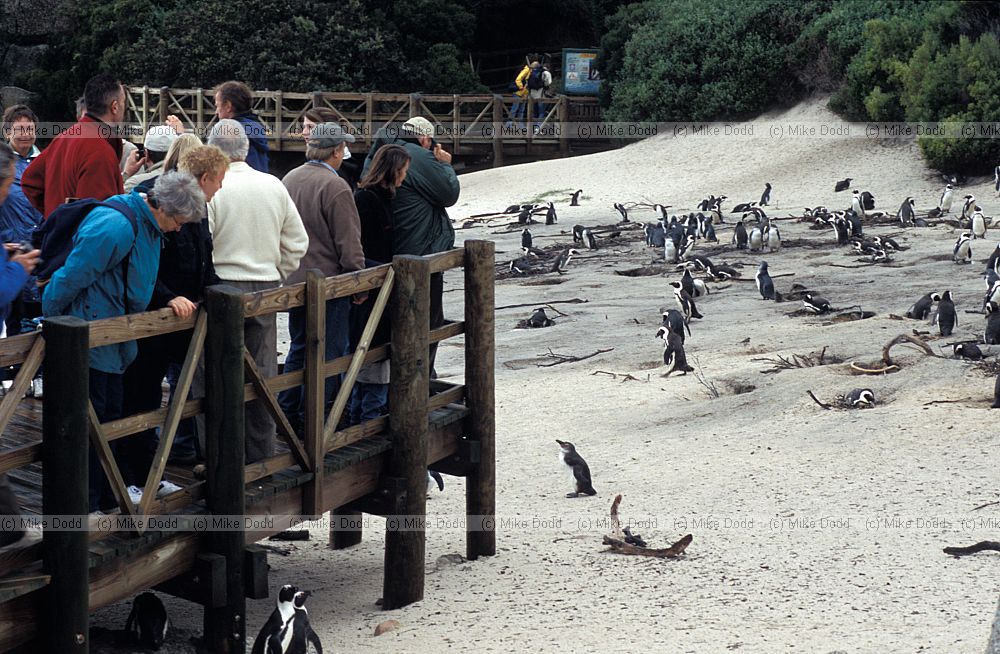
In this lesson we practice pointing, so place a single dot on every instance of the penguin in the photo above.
(673, 351)
(685, 303)
(963, 249)
(708, 231)
(578, 233)
(740, 236)
(815, 303)
(765, 197)
(996, 186)
(633, 539)
(861, 398)
(922, 307)
(433, 476)
(991, 262)
(992, 294)
(946, 316)
(854, 224)
(968, 351)
(297, 634)
(281, 614)
(686, 248)
(867, 202)
(978, 224)
(147, 621)
(698, 262)
(905, 214)
(657, 236)
(520, 266)
(843, 185)
(742, 207)
(764, 282)
(578, 468)
(674, 319)
(841, 230)
(563, 260)
(687, 282)
(944, 204)
(722, 271)
(590, 239)
(623, 211)
(574, 198)
(669, 249)
(755, 240)
(524, 218)
(996, 392)
(526, 238)
(550, 215)
(992, 324)
(700, 288)
(856, 202)
(967, 208)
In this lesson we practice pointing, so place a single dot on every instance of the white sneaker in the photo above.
(36, 388)
(166, 488)
(135, 494)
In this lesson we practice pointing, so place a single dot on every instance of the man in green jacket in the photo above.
(420, 220)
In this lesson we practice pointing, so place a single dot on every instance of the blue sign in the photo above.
(580, 75)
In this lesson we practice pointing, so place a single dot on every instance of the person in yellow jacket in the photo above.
(519, 108)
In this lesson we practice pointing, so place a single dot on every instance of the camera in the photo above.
(24, 247)
(140, 149)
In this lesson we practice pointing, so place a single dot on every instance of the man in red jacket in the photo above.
(82, 162)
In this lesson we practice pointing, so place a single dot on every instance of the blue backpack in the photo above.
(54, 237)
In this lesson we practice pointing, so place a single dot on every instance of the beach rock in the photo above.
(387, 626)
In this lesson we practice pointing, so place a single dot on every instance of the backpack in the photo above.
(54, 237)
(535, 78)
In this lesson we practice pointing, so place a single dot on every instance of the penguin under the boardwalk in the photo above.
(147, 623)
(674, 319)
(843, 185)
(755, 240)
(944, 204)
(963, 249)
(764, 282)
(978, 224)
(815, 303)
(297, 634)
(905, 213)
(772, 238)
(765, 197)
(992, 336)
(946, 317)
(281, 614)
(526, 238)
(861, 398)
(685, 303)
(574, 198)
(968, 351)
(590, 239)
(434, 477)
(922, 307)
(578, 468)
(673, 352)
(740, 237)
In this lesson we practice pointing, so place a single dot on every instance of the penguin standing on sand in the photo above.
(297, 634)
(856, 202)
(905, 213)
(765, 197)
(578, 233)
(670, 249)
(963, 249)
(526, 239)
(281, 614)
(764, 282)
(433, 476)
(147, 623)
(944, 204)
(574, 198)
(740, 237)
(978, 224)
(550, 214)
(524, 217)
(620, 208)
(992, 324)
(867, 202)
(673, 351)
(854, 222)
(578, 468)
(685, 303)
(922, 307)
(992, 294)
(687, 282)
(946, 316)
(755, 240)
(563, 260)
(674, 319)
(590, 239)
(967, 208)
(687, 246)
(996, 186)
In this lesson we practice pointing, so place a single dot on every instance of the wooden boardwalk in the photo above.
(376, 467)
(464, 124)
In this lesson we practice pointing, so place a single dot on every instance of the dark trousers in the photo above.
(106, 394)
(437, 313)
(9, 506)
(20, 310)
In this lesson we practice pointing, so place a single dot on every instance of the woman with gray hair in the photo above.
(115, 245)
(230, 137)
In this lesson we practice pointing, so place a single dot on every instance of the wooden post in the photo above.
(408, 392)
(369, 119)
(145, 109)
(480, 486)
(345, 528)
(563, 114)
(456, 123)
(278, 122)
(164, 103)
(225, 627)
(199, 113)
(65, 484)
(497, 129)
(317, 99)
(314, 389)
(414, 105)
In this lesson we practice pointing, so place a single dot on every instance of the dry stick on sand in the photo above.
(972, 549)
(615, 375)
(983, 506)
(575, 300)
(712, 391)
(887, 360)
(619, 546)
(797, 361)
(825, 406)
(565, 358)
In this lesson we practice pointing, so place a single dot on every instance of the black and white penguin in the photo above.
(992, 294)
(861, 398)
(905, 213)
(978, 224)
(620, 208)
(996, 394)
(944, 204)
(297, 634)
(578, 233)
(673, 352)
(867, 202)
(815, 303)
(968, 206)
(843, 185)
(755, 240)
(669, 249)
(922, 307)
(281, 614)
(764, 282)
(946, 317)
(686, 247)
(574, 198)
(434, 479)
(723, 272)
(674, 319)
(698, 262)
(708, 231)
(590, 239)
(740, 237)
(854, 223)
(524, 218)
(992, 336)
(765, 197)
(842, 230)
(742, 207)
(520, 266)
(525, 238)
(700, 288)
(550, 214)
(687, 282)
(147, 622)
(963, 249)
(994, 258)
(562, 261)
(578, 468)
(685, 303)
(856, 202)
(968, 351)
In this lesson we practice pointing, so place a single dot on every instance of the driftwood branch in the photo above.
(675, 550)
(616, 527)
(972, 549)
(575, 300)
(565, 358)
(825, 406)
(615, 375)
(983, 506)
(710, 387)
(887, 360)
(873, 371)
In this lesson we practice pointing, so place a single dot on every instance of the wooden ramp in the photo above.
(377, 467)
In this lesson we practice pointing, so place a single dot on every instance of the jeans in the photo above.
(368, 401)
(539, 111)
(337, 312)
(518, 109)
(106, 394)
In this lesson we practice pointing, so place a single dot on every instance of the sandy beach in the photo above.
(813, 530)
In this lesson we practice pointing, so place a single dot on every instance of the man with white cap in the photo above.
(157, 142)
(326, 205)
